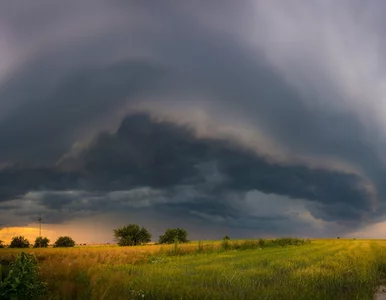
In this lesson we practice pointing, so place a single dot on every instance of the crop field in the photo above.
(321, 269)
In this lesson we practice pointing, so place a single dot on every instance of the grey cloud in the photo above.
(49, 127)
(167, 157)
(203, 62)
(65, 207)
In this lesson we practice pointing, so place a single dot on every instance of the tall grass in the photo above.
(249, 269)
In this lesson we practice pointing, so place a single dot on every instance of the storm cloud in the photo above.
(188, 108)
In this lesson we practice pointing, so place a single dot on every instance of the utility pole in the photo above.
(40, 225)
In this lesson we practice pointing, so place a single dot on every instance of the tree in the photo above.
(19, 242)
(41, 242)
(172, 235)
(64, 241)
(131, 235)
(226, 238)
(1, 244)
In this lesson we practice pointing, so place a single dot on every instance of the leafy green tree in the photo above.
(226, 238)
(172, 235)
(19, 242)
(131, 235)
(41, 242)
(64, 241)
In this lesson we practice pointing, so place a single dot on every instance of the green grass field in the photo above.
(323, 269)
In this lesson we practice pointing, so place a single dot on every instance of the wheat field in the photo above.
(322, 269)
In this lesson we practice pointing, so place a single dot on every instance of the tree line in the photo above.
(40, 242)
(129, 235)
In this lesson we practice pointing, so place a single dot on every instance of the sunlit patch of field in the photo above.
(324, 269)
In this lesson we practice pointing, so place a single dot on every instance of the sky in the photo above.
(244, 118)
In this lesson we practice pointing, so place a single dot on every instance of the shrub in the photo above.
(226, 238)
(225, 245)
(22, 281)
(261, 243)
(19, 242)
(41, 242)
(131, 235)
(64, 241)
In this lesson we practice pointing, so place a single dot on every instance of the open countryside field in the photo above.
(322, 269)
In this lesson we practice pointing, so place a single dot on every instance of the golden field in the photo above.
(322, 269)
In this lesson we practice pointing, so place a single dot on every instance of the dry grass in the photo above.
(324, 269)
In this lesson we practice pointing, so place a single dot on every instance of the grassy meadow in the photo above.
(322, 269)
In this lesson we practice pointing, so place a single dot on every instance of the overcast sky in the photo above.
(248, 118)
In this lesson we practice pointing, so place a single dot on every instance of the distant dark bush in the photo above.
(19, 242)
(64, 241)
(41, 242)
(225, 245)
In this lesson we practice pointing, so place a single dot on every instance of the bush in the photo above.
(225, 245)
(131, 235)
(64, 241)
(22, 281)
(1, 244)
(261, 243)
(226, 238)
(41, 242)
(19, 242)
(171, 235)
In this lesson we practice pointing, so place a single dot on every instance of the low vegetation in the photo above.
(291, 241)
(283, 268)
(243, 269)
(22, 281)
